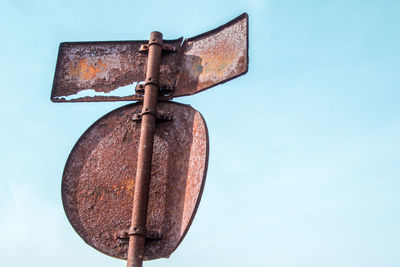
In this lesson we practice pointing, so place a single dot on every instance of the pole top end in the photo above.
(156, 35)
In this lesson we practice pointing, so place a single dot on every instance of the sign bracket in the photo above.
(165, 91)
(161, 116)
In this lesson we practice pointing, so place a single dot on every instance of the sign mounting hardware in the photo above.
(142, 167)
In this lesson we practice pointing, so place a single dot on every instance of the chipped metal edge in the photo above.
(132, 97)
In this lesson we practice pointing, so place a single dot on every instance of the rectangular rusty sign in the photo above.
(109, 71)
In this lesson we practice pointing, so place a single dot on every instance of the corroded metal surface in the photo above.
(98, 180)
(96, 71)
(214, 57)
(101, 71)
(138, 229)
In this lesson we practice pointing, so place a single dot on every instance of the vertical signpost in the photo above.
(137, 231)
(132, 183)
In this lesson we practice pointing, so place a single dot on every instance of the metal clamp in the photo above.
(123, 235)
(137, 230)
(161, 116)
(164, 89)
(165, 47)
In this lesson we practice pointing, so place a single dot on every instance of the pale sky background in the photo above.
(304, 149)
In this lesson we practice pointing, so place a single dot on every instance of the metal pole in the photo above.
(138, 229)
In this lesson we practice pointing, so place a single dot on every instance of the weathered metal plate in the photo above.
(109, 71)
(214, 57)
(105, 71)
(98, 180)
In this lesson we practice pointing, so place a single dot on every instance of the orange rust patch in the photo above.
(217, 64)
(84, 70)
(130, 185)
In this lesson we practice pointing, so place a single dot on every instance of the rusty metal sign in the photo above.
(109, 71)
(98, 181)
(132, 183)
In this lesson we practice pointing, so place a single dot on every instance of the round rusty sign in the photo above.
(99, 179)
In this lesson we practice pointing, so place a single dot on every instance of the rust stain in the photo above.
(85, 70)
(130, 186)
(217, 64)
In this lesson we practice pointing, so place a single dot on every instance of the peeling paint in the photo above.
(124, 91)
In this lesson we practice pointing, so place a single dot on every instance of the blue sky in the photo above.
(304, 149)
